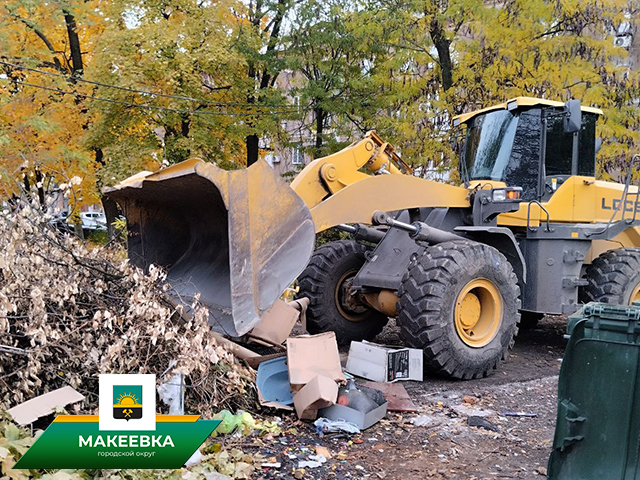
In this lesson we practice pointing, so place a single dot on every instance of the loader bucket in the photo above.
(238, 238)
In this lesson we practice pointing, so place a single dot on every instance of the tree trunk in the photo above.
(264, 75)
(252, 149)
(442, 44)
(74, 42)
(99, 156)
(26, 182)
(40, 188)
(320, 119)
(111, 212)
(185, 127)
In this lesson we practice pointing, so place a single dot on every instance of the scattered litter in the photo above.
(324, 451)
(324, 425)
(396, 395)
(172, 394)
(384, 364)
(467, 411)
(272, 382)
(242, 423)
(314, 461)
(311, 355)
(470, 400)
(271, 465)
(31, 410)
(518, 414)
(474, 421)
(367, 407)
(426, 421)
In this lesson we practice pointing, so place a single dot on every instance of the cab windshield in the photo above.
(489, 143)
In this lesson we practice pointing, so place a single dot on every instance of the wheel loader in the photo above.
(530, 231)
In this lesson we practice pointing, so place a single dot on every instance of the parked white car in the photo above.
(93, 221)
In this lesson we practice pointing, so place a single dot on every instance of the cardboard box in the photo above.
(311, 355)
(383, 363)
(362, 420)
(276, 323)
(40, 406)
(319, 393)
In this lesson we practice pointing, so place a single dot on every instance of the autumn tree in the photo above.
(40, 124)
(260, 28)
(100, 90)
(335, 57)
(178, 97)
(452, 56)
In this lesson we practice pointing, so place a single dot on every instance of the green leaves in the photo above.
(14, 439)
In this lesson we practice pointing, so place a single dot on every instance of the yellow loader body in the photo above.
(238, 239)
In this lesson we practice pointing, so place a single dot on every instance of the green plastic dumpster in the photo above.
(598, 425)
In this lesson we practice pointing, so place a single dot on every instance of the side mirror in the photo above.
(573, 119)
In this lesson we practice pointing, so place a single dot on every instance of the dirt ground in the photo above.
(445, 446)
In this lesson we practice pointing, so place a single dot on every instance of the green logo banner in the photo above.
(74, 441)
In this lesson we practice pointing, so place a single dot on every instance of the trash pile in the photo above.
(69, 312)
(309, 379)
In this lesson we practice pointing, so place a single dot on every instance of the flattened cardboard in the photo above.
(311, 355)
(276, 323)
(395, 393)
(31, 410)
(320, 392)
(362, 420)
(381, 363)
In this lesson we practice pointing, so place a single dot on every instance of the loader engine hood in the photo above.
(238, 238)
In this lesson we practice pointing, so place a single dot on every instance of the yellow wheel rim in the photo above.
(635, 295)
(478, 312)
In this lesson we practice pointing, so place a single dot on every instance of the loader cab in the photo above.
(529, 143)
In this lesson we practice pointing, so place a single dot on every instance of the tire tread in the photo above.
(421, 295)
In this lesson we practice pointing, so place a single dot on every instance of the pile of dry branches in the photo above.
(69, 312)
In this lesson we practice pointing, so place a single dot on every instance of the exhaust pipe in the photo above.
(237, 238)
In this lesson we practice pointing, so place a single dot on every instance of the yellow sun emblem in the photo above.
(127, 406)
(127, 400)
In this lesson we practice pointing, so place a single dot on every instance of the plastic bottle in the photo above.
(355, 398)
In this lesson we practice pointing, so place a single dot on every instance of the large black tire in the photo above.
(614, 277)
(428, 294)
(321, 281)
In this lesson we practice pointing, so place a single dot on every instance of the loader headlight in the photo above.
(513, 194)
